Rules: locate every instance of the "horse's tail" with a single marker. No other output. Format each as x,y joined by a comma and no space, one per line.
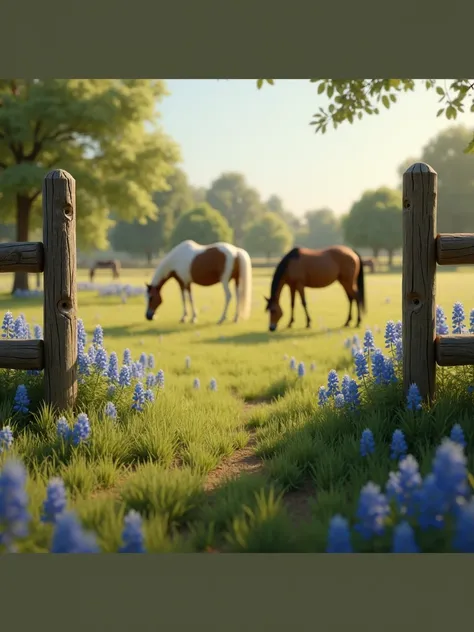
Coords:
361,284
245,283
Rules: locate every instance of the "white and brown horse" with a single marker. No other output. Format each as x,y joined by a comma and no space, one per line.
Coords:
190,262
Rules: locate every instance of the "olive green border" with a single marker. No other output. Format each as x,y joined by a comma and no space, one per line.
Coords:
213,38
240,39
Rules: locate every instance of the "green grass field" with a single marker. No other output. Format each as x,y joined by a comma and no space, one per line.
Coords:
251,467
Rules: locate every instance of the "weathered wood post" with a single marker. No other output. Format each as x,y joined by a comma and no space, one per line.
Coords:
420,183
60,289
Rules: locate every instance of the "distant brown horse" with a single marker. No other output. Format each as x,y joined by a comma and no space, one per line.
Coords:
369,263
111,264
301,268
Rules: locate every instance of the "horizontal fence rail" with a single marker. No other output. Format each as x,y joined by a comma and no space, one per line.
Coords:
423,249
56,354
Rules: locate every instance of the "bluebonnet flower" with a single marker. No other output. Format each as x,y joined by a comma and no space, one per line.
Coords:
160,379
213,385
55,502
150,380
21,400
345,385
38,332
471,321
138,397
442,328
356,341
398,330
457,435
19,328
322,396
98,336
339,401
389,374
301,369
369,344
348,343
403,486
399,350
378,366
70,537
81,430
390,334
127,357
458,318
149,395
292,364
112,371
125,377
151,361
431,504
111,390
367,443
414,398
333,383
132,535
63,430
339,536
8,325
143,359
14,515
404,539
360,365
187,362
372,511
81,333
353,397
450,469
196,383
463,540
101,360
110,410
137,370
83,362
6,438
91,354
398,447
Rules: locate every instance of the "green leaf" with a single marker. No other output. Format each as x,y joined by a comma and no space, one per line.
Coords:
330,90
321,87
451,112
469,150
259,83
386,101
270,81
439,112
440,91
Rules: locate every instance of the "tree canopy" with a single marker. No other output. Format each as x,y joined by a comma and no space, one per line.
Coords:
104,132
268,235
322,229
203,224
351,99
375,221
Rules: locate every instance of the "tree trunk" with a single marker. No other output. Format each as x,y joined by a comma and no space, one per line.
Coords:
23,208
376,252
390,258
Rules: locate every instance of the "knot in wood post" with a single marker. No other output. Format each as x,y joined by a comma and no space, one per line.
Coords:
420,183
60,289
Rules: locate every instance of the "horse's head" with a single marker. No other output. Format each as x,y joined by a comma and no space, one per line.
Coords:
274,309
154,300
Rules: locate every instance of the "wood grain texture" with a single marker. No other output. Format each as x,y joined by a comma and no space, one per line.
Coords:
455,350
60,289
21,354
455,249
26,256
419,272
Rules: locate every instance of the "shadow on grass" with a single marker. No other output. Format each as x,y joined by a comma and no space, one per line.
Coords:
133,329
263,337
272,392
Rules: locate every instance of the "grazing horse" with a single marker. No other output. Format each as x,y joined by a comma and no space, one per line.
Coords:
111,264
369,263
190,262
302,268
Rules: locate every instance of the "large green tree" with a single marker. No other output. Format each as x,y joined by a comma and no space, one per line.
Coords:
274,204
202,224
351,99
322,229
104,132
375,221
236,200
153,236
268,235
445,154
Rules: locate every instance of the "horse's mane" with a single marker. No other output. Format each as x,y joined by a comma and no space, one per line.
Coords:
281,269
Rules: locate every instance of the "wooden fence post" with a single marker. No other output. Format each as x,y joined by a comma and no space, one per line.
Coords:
420,183
60,289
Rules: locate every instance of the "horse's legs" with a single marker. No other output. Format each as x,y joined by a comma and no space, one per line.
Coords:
350,299
228,296
237,301
303,302
193,311
292,293
183,297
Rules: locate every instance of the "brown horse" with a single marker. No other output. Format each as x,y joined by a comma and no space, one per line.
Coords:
369,263
111,264
301,268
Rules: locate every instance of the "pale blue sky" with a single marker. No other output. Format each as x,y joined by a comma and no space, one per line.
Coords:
265,134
